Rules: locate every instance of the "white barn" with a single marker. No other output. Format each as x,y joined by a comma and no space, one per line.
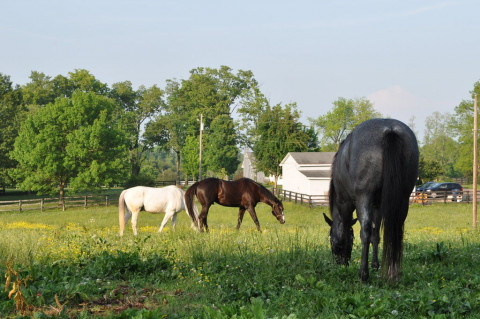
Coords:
307,172
250,171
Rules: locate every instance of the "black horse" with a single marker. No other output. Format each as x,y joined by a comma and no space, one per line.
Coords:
243,193
373,172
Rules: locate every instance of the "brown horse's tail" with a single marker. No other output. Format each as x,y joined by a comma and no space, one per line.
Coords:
190,207
121,212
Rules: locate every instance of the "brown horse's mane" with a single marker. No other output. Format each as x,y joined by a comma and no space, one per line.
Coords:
268,194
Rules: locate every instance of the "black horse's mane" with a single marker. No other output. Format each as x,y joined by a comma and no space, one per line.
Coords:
331,192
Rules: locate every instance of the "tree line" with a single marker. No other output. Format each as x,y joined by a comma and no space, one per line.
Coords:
78,131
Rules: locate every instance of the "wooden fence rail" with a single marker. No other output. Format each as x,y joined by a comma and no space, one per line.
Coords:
423,198
43,204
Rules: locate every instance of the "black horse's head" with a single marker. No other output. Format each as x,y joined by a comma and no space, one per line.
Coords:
341,239
277,211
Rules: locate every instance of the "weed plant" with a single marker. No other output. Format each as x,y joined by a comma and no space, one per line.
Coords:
78,267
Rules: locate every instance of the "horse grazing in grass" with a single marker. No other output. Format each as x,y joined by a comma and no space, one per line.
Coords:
168,199
373,172
243,193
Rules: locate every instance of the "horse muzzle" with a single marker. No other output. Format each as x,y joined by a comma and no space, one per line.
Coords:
342,260
281,219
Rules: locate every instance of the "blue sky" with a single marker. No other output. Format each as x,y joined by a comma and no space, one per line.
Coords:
407,57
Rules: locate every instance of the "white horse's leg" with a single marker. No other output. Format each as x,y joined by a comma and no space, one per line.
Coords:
174,220
127,218
167,216
134,222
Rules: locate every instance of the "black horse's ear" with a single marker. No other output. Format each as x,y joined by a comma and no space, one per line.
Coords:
328,220
353,222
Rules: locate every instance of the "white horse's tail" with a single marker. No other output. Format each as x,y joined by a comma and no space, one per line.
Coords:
121,212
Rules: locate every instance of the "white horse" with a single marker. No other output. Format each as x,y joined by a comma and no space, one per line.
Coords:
168,199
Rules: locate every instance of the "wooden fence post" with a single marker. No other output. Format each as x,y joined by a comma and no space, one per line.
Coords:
106,200
42,206
20,206
63,204
85,202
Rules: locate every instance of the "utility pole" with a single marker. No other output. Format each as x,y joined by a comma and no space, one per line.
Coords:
475,125
200,154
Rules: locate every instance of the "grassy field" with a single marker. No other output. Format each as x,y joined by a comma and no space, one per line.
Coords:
73,264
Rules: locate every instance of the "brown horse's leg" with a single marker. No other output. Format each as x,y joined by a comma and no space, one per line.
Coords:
202,218
241,212
252,212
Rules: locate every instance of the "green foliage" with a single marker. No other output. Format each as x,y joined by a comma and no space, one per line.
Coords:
138,106
74,140
212,93
428,170
221,151
439,146
462,125
279,132
190,155
345,115
11,114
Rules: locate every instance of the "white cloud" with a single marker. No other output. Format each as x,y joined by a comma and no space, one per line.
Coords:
397,102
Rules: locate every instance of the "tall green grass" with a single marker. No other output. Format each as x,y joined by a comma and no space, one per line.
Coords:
285,271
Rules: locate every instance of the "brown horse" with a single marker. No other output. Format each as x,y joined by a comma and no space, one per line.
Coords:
243,193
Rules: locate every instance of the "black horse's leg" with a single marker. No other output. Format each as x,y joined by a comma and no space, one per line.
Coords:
376,238
241,212
252,212
365,212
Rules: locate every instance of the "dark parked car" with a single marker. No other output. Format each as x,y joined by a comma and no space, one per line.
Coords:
440,190
424,187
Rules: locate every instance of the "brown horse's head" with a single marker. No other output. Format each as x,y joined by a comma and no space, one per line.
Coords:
277,211
341,239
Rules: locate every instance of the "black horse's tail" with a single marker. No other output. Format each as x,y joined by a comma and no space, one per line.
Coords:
394,202
191,191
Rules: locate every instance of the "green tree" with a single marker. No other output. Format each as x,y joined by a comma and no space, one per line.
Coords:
346,114
74,140
461,126
138,106
39,91
279,132
210,92
169,129
429,170
251,107
221,151
12,114
439,144
190,155
42,89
